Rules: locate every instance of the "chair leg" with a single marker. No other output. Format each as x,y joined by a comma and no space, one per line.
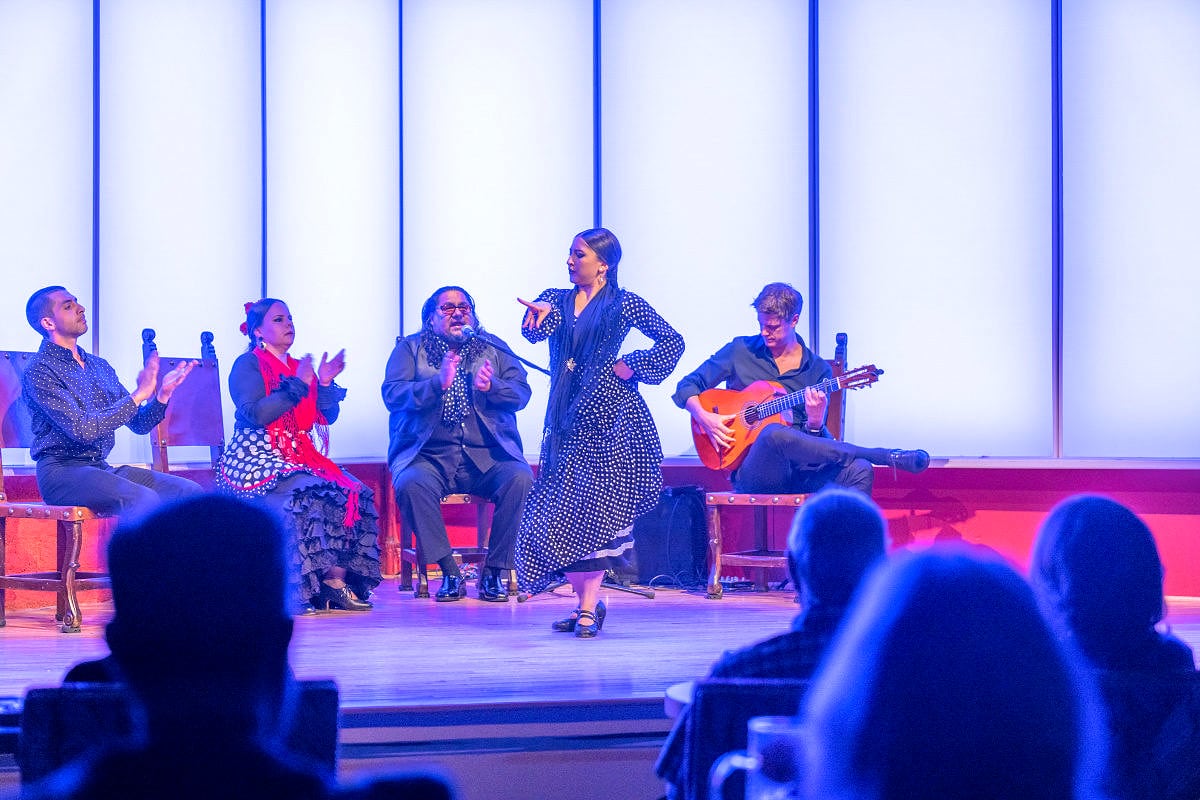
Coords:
62,546
760,545
422,568
714,553
72,532
3,571
404,537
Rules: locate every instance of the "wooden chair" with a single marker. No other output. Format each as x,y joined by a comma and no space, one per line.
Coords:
193,418
63,723
194,415
762,557
411,555
68,579
715,723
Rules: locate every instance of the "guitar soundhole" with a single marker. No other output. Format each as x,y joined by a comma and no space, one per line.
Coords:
750,415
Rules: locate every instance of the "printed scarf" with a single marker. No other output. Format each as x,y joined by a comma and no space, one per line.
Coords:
455,401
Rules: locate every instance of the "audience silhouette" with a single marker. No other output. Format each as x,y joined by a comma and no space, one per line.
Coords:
1097,575
1098,578
947,682
835,538
200,636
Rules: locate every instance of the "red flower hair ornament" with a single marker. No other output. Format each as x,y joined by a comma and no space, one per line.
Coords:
244,328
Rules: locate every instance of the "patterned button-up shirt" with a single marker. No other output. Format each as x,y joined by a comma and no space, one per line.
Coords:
75,410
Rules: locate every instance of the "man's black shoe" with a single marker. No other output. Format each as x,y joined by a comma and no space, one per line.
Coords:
453,588
909,460
492,588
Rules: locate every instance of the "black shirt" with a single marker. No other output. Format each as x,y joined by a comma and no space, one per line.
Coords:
745,360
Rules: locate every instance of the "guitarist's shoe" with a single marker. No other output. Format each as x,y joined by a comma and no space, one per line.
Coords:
909,460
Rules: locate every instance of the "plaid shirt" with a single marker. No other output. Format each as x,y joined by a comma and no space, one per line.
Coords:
795,654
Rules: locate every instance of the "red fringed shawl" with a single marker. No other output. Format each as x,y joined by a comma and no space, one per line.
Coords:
297,426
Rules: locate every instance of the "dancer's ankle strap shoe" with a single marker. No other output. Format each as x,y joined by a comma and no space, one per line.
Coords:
909,460
590,623
342,598
566,624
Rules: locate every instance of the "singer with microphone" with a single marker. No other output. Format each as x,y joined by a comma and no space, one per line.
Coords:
453,392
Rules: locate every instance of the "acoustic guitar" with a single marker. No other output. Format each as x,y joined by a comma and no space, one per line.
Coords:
758,405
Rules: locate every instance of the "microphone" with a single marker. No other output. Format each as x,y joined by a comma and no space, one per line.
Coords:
469,333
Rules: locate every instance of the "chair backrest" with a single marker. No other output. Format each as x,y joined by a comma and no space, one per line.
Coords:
63,723
16,430
717,721
835,419
15,423
194,416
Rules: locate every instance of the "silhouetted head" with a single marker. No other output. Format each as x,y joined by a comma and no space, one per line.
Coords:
946,682
1097,574
835,538
199,592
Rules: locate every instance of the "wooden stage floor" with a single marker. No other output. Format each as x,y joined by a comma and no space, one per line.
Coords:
409,651
425,682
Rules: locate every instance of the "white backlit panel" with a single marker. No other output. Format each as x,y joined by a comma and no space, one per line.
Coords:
333,187
45,157
179,170
1131,123
705,166
497,159
936,202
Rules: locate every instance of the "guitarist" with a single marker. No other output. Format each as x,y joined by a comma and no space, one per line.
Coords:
801,456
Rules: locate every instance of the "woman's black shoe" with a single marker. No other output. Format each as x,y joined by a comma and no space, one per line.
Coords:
359,587
590,623
309,610
342,598
566,624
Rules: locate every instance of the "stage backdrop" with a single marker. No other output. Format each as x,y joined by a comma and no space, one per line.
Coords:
169,160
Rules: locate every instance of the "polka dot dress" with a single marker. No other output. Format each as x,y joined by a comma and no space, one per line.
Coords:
604,473
252,464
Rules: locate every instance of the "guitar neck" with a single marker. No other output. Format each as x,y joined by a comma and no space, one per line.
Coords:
783,402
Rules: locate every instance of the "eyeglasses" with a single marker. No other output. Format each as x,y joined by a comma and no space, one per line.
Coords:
449,308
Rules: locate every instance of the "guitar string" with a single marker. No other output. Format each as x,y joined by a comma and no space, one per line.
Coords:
782,403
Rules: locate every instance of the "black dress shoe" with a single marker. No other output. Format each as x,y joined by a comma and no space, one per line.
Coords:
909,460
492,589
453,588
342,598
